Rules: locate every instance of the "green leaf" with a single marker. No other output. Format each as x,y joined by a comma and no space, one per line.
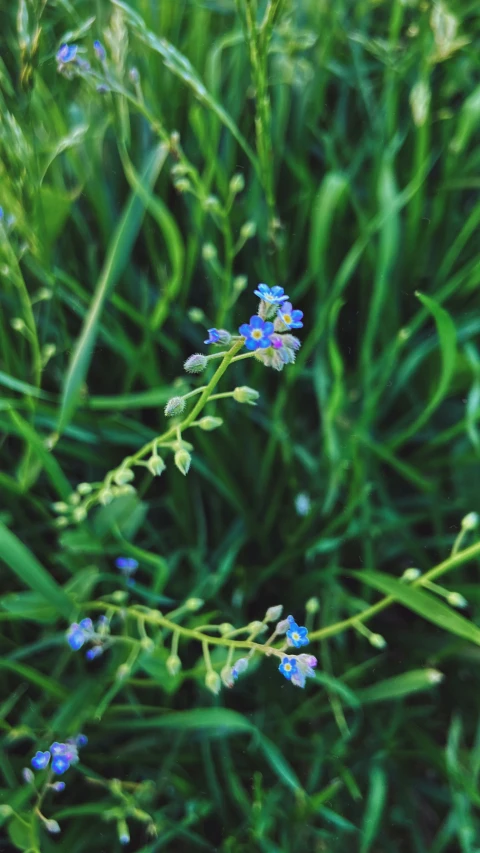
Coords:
28,472
46,684
279,764
448,349
375,804
400,685
118,255
31,572
222,721
423,603
20,832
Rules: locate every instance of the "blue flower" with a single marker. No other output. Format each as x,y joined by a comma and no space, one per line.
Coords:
93,653
81,740
218,336
273,295
288,667
99,50
292,318
257,334
60,764
40,760
296,636
127,565
67,53
79,633
240,666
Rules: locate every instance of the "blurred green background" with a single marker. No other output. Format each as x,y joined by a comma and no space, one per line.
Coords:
355,126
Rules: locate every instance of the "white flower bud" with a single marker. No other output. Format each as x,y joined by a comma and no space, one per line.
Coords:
239,283
123,672
105,497
283,626
226,676
123,476
17,324
248,230
213,682
196,363
434,676
420,97
156,465
194,604
28,775
173,664
210,423
237,184
377,641
6,811
225,628
84,488
79,513
410,575
175,406
313,605
209,252
183,460
274,613
183,186
212,204
52,826
244,394
470,521
61,521
255,627
456,600
60,506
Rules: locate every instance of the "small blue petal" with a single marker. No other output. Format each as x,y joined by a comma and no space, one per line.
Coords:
67,52
99,50
94,653
40,760
81,740
126,564
60,764
86,625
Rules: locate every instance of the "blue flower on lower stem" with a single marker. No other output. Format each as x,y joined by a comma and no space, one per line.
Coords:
292,318
67,53
79,633
40,760
296,636
60,764
100,51
273,295
257,334
288,667
126,564
94,652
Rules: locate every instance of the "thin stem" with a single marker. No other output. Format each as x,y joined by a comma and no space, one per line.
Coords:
451,563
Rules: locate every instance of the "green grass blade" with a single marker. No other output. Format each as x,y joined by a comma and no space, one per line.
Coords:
117,258
399,686
377,795
22,562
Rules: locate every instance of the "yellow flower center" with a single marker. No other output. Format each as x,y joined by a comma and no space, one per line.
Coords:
287,318
295,636
288,667
257,334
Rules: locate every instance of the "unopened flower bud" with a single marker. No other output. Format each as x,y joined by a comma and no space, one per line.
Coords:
456,600
123,476
226,676
244,394
240,666
212,204
123,672
470,521
209,252
105,497
58,786
52,826
213,681
84,488
17,324
274,613
377,641
255,627
173,664
239,283
313,605
134,76
248,230
410,575
60,506
183,460
225,628
156,465
123,832
74,499
99,49
196,363
175,406
196,315
434,676
237,183
194,604
6,811
79,513
210,423
283,626
147,645
61,521
28,775
183,185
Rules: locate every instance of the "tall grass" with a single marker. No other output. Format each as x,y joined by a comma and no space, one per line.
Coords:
355,126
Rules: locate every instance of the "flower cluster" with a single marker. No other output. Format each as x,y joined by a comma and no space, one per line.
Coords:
267,335
127,566
83,632
63,755
297,668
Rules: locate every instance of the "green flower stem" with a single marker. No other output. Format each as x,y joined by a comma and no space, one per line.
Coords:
206,391
206,655
451,563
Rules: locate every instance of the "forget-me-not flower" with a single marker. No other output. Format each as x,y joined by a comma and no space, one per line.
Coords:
79,633
297,636
273,295
290,317
67,53
218,336
288,667
257,333
40,760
